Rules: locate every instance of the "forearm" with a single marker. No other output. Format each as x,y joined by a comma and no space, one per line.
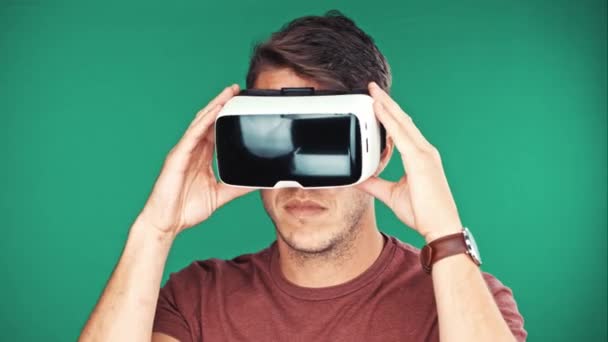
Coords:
125,311
465,306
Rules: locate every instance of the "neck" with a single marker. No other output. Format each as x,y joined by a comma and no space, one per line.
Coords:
348,259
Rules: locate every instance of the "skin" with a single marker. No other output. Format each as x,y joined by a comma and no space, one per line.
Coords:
422,200
341,244
331,248
328,250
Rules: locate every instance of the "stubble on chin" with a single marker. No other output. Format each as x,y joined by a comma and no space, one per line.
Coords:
336,248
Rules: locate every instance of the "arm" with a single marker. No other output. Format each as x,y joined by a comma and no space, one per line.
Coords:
466,309
185,194
158,337
423,201
125,311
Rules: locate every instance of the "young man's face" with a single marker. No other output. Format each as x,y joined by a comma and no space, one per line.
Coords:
311,230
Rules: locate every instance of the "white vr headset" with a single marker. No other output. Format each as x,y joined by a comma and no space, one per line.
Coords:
298,137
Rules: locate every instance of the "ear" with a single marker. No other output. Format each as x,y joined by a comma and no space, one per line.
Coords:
385,156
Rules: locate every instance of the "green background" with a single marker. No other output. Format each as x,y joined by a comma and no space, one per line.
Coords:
93,96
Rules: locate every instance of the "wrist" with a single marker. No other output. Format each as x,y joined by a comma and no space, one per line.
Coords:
148,231
434,235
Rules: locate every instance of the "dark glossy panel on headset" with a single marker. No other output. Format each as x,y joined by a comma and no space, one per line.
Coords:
313,150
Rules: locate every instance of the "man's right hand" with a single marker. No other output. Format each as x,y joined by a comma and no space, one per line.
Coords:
186,192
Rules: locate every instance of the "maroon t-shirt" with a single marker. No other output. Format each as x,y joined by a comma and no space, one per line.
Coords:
248,299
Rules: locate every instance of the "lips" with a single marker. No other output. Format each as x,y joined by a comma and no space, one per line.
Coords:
304,208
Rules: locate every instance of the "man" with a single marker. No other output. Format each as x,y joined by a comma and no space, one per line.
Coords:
331,275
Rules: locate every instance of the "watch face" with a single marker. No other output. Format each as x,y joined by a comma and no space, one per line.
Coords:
471,245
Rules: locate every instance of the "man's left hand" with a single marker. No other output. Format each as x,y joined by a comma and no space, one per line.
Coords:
421,198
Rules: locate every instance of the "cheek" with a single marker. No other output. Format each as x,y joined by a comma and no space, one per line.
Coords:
268,200
353,201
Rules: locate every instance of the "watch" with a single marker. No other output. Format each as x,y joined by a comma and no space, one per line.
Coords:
462,242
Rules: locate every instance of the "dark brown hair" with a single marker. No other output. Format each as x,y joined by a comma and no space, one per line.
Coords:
329,49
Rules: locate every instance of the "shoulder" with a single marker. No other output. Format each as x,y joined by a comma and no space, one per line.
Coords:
408,250
407,255
405,268
408,258
503,295
208,270
180,299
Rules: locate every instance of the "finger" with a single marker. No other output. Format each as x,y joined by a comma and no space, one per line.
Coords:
226,193
384,97
199,130
201,116
400,115
202,154
379,188
221,99
394,129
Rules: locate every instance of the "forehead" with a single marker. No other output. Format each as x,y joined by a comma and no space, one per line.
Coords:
284,77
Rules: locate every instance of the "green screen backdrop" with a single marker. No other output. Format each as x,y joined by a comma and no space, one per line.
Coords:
93,95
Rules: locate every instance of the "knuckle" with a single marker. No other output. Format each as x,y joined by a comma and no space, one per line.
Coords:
429,152
169,158
171,155
433,152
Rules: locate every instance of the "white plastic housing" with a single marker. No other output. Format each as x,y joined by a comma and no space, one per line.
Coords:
360,105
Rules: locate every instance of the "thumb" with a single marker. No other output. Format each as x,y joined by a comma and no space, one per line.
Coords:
226,193
378,187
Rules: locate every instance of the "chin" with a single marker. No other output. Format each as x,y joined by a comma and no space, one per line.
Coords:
308,239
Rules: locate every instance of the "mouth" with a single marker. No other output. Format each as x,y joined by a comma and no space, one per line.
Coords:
304,209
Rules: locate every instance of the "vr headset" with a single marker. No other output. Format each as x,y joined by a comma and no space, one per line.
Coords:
298,137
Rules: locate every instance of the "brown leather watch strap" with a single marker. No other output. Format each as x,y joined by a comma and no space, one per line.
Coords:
441,248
